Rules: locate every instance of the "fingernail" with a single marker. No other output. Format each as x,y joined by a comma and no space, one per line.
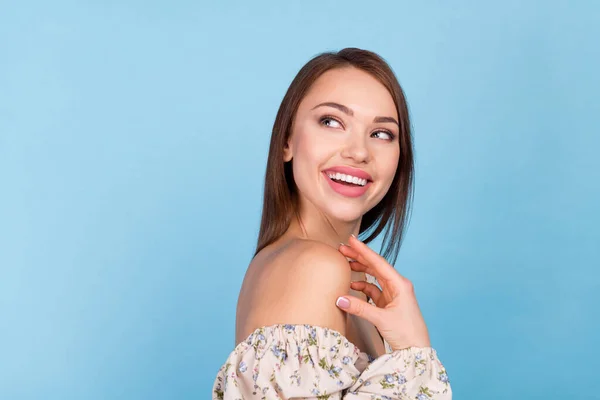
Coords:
354,236
342,302
341,244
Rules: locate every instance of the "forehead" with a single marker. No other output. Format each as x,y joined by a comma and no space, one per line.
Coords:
353,88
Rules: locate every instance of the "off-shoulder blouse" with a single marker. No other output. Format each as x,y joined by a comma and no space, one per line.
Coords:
302,361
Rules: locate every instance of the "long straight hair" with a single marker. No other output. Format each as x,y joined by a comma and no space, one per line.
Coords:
280,193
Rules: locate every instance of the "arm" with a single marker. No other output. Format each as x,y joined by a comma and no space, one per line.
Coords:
298,349
307,356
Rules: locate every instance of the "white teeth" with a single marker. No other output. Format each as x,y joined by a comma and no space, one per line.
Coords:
347,178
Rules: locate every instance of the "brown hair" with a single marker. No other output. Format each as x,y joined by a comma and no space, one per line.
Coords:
280,198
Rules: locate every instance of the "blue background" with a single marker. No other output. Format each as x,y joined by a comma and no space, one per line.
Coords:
133,141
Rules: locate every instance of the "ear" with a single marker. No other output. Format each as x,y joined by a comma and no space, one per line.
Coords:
287,152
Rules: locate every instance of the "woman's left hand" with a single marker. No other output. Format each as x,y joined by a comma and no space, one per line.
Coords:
396,313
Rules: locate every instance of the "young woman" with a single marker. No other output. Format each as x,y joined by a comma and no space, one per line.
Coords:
312,323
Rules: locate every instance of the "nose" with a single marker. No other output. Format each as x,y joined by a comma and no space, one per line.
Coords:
355,148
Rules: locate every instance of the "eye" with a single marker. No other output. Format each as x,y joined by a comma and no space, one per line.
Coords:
330,119
386,135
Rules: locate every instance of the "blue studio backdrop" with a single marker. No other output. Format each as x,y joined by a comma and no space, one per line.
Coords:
133,143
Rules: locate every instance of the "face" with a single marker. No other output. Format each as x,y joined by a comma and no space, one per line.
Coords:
345,153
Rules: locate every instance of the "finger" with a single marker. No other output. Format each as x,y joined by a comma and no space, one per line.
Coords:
352,253
381,284
361,250
382,269
367,288
359,267
353,256
349,252
362,265
360,308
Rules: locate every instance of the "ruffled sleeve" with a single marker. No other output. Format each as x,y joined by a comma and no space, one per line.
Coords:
312,362
413,373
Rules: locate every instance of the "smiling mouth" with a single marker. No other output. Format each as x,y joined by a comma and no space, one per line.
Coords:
347,180
347,185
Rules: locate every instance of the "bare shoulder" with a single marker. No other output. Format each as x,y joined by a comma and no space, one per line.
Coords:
315,263
297,284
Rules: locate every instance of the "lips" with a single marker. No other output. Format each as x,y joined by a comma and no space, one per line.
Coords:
347,190
359,173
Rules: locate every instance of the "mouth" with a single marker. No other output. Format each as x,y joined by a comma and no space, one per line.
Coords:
345,175
350,183
347,179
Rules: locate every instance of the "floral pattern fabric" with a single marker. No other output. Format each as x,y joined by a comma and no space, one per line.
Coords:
312,362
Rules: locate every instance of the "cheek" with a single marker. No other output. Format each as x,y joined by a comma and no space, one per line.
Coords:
387,165
310,150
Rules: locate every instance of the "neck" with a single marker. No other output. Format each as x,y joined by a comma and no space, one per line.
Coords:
315,225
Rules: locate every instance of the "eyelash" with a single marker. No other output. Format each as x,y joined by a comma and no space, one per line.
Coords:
325,117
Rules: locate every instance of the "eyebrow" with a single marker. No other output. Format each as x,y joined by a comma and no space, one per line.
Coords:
349,112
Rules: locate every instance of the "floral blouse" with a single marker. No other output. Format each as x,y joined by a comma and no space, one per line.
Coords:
303,361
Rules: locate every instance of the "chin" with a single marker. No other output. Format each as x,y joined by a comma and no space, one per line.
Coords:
344,212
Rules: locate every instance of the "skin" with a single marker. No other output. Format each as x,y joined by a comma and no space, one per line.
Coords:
356,142
327,217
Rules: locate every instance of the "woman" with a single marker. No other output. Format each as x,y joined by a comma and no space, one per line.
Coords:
340,165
